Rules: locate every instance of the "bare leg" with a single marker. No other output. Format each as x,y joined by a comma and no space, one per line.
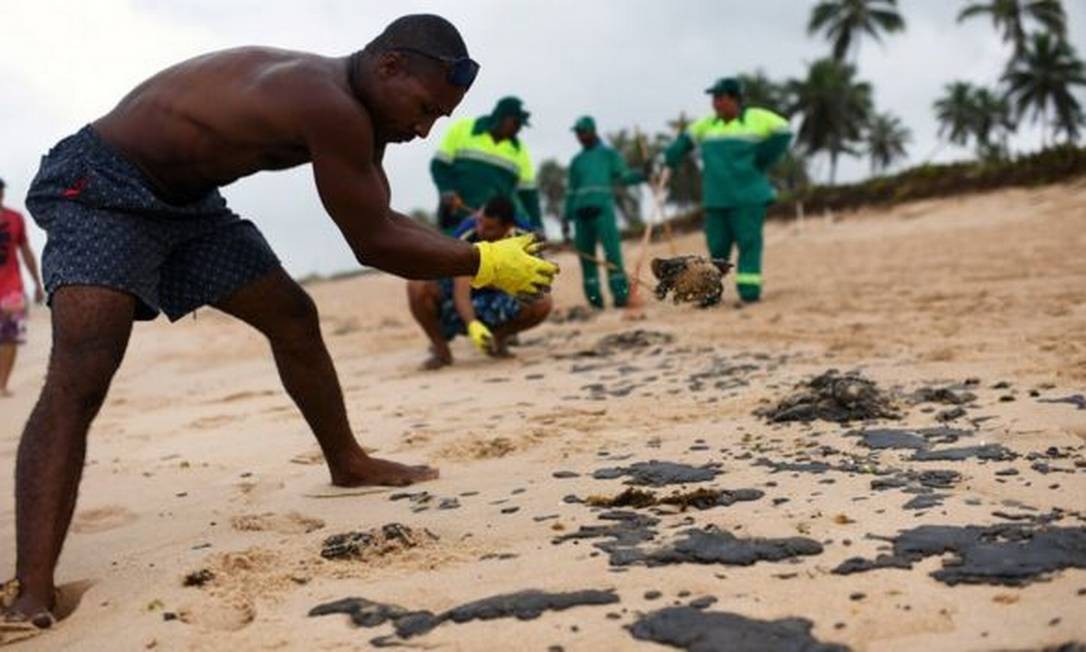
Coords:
530,316
424,298
7,362
91,327
280,309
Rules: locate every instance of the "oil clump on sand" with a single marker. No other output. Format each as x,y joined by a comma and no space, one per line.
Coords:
377,542
691,629
836,397
690,279
522,605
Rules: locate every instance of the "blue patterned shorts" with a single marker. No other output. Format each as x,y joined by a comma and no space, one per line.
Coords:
107,227
492,307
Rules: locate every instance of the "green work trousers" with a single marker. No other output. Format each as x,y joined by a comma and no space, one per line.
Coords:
740,225
600,228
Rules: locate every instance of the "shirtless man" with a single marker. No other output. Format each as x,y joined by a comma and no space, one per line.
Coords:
136,225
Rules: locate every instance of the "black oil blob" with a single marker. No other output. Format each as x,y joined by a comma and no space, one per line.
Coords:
710,631
658,474
523,605
833,397
1010,555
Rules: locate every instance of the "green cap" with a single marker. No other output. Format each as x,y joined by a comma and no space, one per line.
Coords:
585,123
510,106
726,86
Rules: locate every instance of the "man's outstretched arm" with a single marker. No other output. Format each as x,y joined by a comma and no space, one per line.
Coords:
355,192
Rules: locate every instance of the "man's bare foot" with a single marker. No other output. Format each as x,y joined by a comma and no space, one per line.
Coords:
371,471
439,357
21,607
435,362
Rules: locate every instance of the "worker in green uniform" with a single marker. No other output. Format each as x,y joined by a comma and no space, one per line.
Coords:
482,158
738,144
590,205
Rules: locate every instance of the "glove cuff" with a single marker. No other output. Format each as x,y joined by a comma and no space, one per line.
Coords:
487,267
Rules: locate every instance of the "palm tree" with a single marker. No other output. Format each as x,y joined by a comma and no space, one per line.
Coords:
761,91
1042,78
843,21
834,107
551,181
886,139
956,112
1069,121
790,173
1010,16
993,122
968,113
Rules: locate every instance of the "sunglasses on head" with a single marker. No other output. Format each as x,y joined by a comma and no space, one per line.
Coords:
461,71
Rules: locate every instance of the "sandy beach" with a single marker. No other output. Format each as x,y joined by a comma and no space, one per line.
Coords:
968,315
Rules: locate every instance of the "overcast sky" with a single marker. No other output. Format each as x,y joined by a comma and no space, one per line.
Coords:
628,62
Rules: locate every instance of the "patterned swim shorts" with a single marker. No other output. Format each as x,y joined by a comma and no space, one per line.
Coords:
492,307
107,227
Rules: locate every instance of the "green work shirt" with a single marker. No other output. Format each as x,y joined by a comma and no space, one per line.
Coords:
593,175
470,163
735,156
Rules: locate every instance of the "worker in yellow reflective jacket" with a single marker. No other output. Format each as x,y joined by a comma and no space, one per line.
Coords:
482,158
738,144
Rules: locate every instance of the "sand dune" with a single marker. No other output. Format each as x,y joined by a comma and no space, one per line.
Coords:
200,467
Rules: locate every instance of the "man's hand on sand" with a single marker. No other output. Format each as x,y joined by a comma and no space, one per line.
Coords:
511,266
363,471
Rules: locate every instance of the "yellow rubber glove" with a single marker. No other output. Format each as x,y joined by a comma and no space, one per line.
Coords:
480,336
510,266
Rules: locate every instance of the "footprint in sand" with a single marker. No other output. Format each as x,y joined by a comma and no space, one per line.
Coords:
241,396
227,601
252,490
207,423
478,447
102,519
311,457
228,615
289,523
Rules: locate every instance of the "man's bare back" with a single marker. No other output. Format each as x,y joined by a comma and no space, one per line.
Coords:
211,120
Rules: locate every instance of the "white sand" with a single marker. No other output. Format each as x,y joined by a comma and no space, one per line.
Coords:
199,460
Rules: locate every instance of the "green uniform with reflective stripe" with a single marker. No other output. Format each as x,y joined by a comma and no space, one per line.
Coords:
735,157
471,164
590,203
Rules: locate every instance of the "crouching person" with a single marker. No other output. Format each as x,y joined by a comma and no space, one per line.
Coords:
449,307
